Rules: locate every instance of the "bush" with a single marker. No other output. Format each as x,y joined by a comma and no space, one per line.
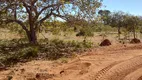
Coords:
56,48
48,49
87,44
85,32
29,52
98,29
11,58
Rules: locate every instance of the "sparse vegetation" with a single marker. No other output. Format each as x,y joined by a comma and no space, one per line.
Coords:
88,32
12,52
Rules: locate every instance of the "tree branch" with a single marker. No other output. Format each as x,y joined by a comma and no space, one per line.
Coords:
43,19
33,2
18,22
49,6
26,6
57,15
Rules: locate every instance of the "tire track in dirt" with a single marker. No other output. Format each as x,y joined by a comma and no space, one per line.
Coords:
136,75
120,70
104,70
140,78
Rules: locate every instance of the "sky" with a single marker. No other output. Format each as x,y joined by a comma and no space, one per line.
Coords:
130,6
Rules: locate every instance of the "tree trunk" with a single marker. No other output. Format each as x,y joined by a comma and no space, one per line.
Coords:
134,32
119,32
32,36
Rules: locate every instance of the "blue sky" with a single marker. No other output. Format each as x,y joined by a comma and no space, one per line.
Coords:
130,6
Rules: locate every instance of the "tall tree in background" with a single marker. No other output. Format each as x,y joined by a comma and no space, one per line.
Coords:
30,14
131,23
117,20
105,16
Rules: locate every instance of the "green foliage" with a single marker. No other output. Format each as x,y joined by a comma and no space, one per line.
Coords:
56,48
87,44
18,11
11,45
104,28
98,29
29,52
88,32
12,52
105,16
11,58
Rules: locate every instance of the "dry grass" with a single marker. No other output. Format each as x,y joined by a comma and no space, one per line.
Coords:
7,35
96,39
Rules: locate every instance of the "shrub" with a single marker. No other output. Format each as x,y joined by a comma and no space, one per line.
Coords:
56,48
29,52
98,29
87,44
16,56
85,32
48,49
10,60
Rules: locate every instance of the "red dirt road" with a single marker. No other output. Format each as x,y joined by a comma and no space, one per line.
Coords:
116,62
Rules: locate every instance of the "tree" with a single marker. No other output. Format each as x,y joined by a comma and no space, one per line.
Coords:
105,16
131,23
30,14
117,20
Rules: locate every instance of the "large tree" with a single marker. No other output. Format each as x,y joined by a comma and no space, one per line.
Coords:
30,14
105,16
131,23
117,20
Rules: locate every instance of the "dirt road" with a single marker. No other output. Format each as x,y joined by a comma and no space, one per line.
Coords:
117,62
